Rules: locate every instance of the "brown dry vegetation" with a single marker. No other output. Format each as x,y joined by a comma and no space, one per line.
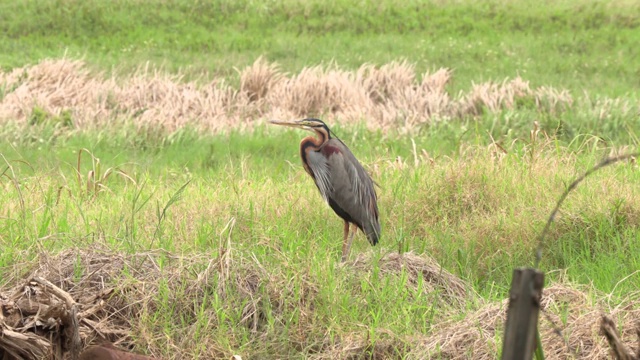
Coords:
117,293
565,307
390,96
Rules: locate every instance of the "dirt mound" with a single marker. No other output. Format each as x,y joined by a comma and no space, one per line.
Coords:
569,328
82,297
73,299
422,271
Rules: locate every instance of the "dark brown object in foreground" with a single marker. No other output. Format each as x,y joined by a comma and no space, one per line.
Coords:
109,352
40,320
618,348
522,314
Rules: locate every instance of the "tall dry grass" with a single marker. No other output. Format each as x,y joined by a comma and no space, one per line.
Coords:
389,96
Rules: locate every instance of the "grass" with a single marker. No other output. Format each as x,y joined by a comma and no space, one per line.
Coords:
242,256
474,209
575,45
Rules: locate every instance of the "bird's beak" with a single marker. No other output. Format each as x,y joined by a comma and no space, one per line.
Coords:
295,124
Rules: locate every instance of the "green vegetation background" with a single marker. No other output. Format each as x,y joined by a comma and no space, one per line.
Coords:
578,45
477,220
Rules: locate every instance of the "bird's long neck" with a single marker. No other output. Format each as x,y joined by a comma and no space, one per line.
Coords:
313,143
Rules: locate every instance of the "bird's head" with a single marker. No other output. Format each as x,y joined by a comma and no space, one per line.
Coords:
314,125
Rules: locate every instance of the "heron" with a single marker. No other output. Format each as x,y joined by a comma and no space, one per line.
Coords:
343,182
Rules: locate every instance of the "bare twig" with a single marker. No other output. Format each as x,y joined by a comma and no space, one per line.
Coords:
606,162
618,348
61,294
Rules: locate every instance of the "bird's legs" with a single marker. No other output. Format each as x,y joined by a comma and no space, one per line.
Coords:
346,244
344,241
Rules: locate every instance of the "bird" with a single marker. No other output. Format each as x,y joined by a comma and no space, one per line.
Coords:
342,181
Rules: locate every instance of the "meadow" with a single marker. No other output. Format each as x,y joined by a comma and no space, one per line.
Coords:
135,137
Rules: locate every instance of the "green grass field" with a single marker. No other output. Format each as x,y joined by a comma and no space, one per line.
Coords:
470,192
580,45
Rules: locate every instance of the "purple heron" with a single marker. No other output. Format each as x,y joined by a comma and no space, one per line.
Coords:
341,179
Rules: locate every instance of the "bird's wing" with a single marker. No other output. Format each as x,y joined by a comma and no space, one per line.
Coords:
320,168
353,189
362,184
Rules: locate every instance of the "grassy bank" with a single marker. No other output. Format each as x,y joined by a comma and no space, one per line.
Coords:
471,207
475,209
567,44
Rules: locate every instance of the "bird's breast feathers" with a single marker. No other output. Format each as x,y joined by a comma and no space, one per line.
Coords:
328,150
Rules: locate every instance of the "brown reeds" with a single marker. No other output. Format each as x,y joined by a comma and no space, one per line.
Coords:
389,96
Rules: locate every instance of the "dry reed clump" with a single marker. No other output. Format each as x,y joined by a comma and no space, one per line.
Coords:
435,279
389,96
506,95
316,91
258,79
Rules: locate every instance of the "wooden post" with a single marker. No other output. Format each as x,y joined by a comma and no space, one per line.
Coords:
519,340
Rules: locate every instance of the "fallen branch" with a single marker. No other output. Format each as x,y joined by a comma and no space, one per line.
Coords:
70,318
23,345
61,294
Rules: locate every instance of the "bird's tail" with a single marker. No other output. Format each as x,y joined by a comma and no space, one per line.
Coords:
373,232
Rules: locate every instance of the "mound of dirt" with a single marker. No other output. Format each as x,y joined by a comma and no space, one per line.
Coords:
74,299
436,279
569,328
83,297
